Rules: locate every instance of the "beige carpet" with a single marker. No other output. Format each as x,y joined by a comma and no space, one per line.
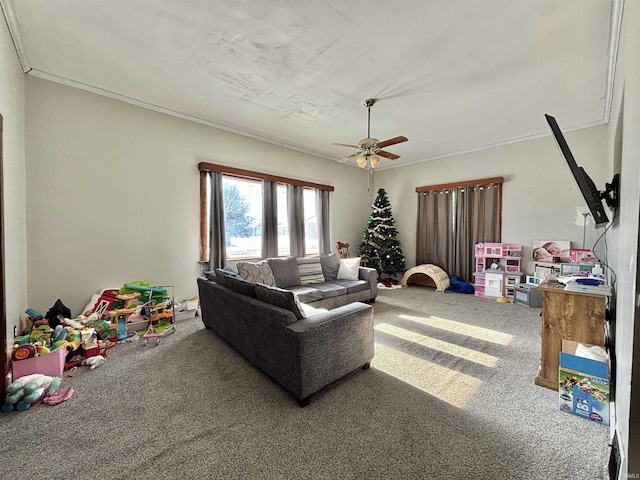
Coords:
450,395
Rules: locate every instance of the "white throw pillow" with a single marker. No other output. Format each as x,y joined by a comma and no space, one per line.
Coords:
349,269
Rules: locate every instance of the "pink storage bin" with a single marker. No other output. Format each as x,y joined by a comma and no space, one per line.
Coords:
51,364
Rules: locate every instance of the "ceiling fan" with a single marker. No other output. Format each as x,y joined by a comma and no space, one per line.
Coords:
370,149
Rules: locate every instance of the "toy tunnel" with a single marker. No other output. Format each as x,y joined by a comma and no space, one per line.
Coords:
429,275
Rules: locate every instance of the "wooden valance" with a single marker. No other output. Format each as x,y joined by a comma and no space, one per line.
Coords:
470,183
239,172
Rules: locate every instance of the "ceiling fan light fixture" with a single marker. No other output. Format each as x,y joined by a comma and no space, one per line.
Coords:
370,149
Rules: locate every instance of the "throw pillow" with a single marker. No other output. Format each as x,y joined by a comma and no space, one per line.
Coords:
285,271
310,270
256,272
349,269
330,265
280,298
238,284
211,275
221,275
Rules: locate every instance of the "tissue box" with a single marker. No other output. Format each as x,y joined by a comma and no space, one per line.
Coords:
584,385
51,364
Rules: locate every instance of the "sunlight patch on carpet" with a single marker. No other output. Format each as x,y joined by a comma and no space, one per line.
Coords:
435,344
451,386
480,333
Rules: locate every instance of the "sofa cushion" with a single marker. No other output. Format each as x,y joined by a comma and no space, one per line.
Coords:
349,269
310,270
331,289
280,298
221,274
307,294
310,311
256,272
240,285
330,265
352,286
285,271
211,275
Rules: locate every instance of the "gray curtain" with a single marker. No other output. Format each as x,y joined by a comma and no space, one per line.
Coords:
269,219
322,216
435,232
488,213
451,222
478,220
295,204
464,240
217,240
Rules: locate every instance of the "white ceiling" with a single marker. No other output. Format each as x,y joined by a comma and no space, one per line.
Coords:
451,75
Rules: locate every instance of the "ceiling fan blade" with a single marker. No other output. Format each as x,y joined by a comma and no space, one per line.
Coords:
347,158
345,145
392,141
390,156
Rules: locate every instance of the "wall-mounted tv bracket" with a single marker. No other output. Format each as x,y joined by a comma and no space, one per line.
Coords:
610,194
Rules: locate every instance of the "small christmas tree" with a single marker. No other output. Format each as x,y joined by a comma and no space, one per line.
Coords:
380,249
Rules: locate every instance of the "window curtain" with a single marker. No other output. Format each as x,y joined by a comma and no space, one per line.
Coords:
477,221
322,218
452,221
217,239
435,220
295,203
269,219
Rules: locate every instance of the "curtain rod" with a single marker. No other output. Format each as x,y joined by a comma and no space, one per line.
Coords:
469,183
239,172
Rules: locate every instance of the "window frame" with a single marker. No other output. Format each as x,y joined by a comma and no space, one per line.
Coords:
205,168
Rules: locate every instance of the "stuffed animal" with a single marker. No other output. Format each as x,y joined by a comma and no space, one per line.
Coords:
23,392
94,362
41,335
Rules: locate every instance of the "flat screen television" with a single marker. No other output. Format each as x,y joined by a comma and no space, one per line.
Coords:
592,196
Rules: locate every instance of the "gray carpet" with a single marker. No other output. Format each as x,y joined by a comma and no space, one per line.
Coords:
449,395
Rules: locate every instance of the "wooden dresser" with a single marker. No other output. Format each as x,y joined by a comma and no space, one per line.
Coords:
572,316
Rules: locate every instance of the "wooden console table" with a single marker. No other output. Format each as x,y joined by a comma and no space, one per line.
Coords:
570,315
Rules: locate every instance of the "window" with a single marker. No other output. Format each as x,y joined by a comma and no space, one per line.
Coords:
245,214
310,222
242,217
283,221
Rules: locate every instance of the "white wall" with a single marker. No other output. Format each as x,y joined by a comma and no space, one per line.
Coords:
12,94
540,198
625,146
114,193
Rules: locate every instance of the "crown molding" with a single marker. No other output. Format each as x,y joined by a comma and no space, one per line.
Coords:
14,30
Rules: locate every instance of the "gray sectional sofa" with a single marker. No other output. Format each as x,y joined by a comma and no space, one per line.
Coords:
305,335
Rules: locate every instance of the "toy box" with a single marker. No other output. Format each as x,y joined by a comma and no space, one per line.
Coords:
187,314
584,384
51,364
